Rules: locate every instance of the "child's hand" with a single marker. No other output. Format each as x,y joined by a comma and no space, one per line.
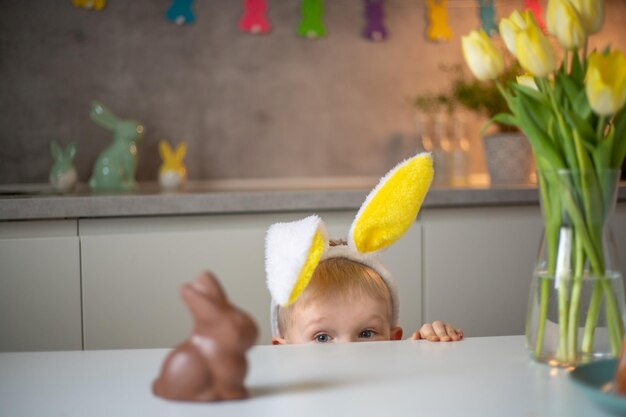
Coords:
438,332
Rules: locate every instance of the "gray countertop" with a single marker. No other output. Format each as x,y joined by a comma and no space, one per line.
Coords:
239,196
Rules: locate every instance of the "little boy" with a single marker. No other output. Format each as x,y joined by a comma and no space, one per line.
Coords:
327,291
348,301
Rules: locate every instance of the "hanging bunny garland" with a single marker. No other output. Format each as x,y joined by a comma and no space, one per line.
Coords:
293,250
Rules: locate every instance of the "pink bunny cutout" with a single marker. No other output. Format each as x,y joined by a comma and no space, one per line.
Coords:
254,19
211,365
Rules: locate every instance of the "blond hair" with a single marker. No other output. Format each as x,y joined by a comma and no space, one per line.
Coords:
348,279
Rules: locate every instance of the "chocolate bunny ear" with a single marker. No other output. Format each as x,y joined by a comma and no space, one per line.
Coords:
392,206
292,252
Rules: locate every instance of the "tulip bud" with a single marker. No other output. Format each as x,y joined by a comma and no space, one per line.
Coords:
605,82
591,13
527,81
566,24
533,50
510,27
483,58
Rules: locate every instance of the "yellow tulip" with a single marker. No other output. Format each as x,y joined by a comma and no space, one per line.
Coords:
533,49
511,27
605,82
527,81
483,58
591,13
566,24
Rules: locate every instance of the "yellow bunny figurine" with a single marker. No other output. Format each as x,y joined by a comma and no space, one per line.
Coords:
172,173
90,4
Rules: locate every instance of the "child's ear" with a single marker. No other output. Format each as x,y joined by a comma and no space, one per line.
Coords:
278,341
396,333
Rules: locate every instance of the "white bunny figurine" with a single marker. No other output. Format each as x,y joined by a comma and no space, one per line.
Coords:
63,174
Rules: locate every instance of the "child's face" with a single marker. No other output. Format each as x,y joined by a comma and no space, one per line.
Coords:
336,320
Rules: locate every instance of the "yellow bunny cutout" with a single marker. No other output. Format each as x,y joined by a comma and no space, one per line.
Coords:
439,29
90,4
293,250
172,173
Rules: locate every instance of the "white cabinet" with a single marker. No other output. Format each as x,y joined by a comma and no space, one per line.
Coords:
477,267
132,270
40,305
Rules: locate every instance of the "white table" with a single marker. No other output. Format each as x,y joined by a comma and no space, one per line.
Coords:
476,377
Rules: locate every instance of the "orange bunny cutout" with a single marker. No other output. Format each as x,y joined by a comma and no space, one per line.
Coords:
211,365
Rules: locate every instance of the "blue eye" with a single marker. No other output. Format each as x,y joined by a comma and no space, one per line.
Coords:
322,338
366,334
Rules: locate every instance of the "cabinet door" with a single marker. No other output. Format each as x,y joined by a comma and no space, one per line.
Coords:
133,269
40,307
478,264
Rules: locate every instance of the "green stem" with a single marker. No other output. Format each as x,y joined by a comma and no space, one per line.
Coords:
579,264
543,314
592,317
562,349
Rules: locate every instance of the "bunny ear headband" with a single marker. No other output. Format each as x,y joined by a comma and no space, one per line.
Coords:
293,250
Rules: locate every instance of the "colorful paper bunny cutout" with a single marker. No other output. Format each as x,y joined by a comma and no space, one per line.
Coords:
115,167
487,14
293,250
438,30
254,19
172,173
96,5
311,25
180,12
375,29
211,364
63,175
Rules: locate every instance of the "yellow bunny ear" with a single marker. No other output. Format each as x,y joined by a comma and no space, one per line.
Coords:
181,150
165,150
392,206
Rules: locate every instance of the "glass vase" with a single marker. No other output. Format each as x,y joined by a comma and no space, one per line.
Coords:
576,308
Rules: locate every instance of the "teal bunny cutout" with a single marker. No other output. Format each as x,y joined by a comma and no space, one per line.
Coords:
63,174
115,167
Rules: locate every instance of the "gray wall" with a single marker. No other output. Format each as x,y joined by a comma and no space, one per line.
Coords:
271,106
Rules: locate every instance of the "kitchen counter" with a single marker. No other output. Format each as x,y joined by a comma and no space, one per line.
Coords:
239,196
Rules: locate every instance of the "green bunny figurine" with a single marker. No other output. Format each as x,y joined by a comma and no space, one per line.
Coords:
114,169
63,174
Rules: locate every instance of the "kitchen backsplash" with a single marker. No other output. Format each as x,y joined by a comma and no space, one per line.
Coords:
248,106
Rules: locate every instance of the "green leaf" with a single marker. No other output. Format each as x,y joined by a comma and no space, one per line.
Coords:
576,69
581,105
501,119
540,141
619,146
570,87
602,153
577,123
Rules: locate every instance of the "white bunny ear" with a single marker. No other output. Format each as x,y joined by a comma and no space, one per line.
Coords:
292,252
392,206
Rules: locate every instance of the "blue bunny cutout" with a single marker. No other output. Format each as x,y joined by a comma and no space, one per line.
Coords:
180,12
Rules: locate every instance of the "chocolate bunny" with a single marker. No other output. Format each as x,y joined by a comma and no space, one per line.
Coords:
211,365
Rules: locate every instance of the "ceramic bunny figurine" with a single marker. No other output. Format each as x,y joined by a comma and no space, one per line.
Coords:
211,365
114,169
63,174
172,173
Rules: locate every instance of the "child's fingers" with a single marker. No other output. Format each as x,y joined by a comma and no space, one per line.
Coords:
455,334
428,332
440,331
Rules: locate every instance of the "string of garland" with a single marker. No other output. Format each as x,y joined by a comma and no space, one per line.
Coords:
255,20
